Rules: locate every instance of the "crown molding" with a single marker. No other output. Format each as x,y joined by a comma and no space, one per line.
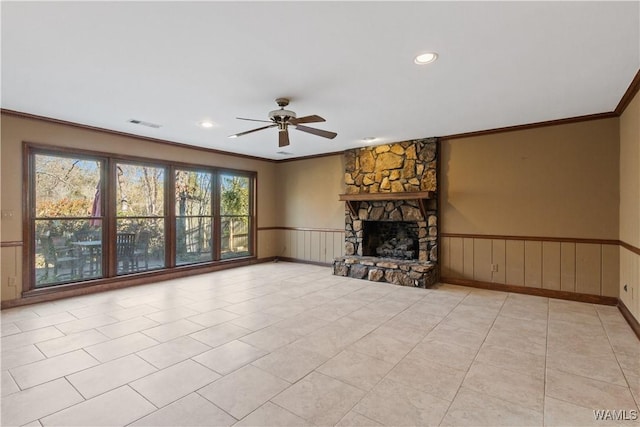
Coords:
29,116
630,93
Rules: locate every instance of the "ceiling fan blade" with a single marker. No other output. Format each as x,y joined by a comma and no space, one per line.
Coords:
250,131
283,138
319,132
253,120
307,119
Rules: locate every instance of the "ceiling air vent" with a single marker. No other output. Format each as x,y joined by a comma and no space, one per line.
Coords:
143,123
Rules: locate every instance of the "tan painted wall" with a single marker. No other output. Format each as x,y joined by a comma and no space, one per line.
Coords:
16,130
308,195
555,181
308,191
630,205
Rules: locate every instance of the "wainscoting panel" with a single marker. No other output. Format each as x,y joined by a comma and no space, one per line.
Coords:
467,258
551,265
499,258
291,249
482,260
302,250
268,243
514,264
338,245
610,270
11,268
568,266
588,268
456,265
533,264
630,276
556,264
313,245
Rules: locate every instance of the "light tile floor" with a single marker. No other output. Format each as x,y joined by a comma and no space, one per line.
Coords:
290,344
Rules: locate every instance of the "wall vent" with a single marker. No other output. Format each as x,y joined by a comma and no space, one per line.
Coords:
143,123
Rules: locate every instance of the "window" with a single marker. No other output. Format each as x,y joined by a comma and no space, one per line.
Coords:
194,219
140,237
234,216
94,217
67,225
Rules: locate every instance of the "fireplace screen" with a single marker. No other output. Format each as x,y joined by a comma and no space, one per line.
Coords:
390,239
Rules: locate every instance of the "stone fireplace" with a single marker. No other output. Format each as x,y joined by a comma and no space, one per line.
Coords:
391,220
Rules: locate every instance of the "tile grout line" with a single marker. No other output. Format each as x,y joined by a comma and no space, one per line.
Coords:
62,409
365,391
589,378
397,363
615,354
474,358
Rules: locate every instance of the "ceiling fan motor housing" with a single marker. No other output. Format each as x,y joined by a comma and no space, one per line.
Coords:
281,115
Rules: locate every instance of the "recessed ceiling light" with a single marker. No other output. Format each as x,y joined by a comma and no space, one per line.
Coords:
368,139
425,58
206,124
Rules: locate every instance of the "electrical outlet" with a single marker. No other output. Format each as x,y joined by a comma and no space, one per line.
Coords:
494,268
8,214
12,281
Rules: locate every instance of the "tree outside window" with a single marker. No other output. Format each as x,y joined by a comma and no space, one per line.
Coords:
234,216
71,195
194,218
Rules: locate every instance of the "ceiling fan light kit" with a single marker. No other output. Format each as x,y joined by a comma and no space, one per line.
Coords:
283,119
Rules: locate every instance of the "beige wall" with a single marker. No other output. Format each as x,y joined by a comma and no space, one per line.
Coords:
554,181
308,191
16,130
630,205
314,217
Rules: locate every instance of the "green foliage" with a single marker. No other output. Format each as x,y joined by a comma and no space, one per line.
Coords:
234,198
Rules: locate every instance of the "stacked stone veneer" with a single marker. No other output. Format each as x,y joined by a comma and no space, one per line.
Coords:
402,167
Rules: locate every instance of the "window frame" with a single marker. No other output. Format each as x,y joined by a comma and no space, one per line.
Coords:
114,218
109,220
29,227
252,217
214,213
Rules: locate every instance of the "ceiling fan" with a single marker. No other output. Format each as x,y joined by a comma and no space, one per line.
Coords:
283,119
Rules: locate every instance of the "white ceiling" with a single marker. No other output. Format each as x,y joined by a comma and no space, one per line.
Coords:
178,63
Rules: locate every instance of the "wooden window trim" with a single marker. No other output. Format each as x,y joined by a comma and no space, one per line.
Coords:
110,160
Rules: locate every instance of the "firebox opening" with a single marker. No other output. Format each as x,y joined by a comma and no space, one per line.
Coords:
390,239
